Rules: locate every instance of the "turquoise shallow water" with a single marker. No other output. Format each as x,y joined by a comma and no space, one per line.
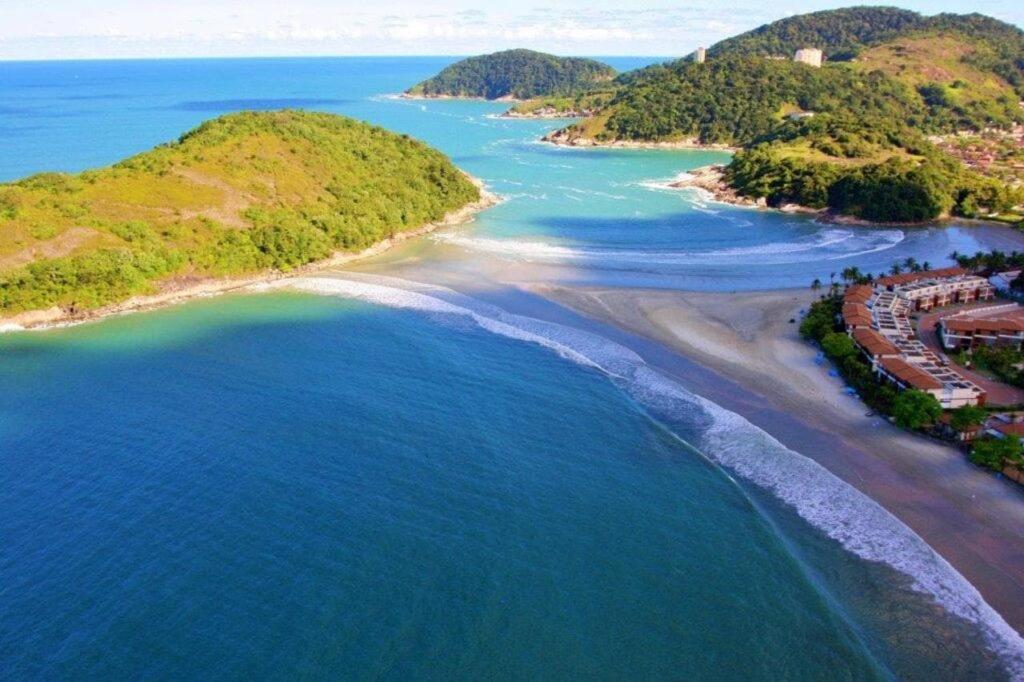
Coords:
286,484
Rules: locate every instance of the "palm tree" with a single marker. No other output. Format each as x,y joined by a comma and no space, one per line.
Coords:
816,284
926,265
895,269
831,276
851,274
910,263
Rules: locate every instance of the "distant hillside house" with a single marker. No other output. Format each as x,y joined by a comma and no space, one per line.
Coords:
701,55
810,56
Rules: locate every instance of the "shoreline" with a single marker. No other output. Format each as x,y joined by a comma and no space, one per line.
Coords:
711,180
971,519
468,98
56,317
546,116
559,138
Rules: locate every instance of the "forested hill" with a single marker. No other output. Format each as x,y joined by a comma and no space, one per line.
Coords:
844,34
242,193
516,74
899,113
838,33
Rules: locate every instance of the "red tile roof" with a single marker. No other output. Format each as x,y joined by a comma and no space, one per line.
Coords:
908,277
910,375
874,343
856,315
858,293
1008,325
1011,429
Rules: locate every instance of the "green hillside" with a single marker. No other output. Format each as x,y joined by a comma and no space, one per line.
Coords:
839,33
870,118
239,194
516,74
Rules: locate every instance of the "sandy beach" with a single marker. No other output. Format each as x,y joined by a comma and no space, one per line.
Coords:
972,519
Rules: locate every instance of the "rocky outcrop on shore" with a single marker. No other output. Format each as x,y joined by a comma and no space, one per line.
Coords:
549,112
570,138
711,179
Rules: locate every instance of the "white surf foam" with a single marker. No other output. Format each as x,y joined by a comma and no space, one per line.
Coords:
848,516
825,244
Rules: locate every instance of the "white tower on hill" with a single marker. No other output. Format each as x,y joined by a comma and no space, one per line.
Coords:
808,55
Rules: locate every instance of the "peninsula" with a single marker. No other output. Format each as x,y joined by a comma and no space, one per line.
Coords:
514,75
242,195
880,131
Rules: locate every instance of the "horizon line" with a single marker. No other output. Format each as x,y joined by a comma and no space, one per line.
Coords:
15,60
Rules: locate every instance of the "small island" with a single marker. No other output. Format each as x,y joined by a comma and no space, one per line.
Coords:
244,195
878,114
514,75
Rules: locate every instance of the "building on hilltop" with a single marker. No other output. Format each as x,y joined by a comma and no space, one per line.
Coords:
700,56
810,56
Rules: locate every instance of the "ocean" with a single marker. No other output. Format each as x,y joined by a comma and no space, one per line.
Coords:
380,478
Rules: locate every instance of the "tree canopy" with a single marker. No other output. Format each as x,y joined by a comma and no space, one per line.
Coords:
241,193
913,409
853,137
520,74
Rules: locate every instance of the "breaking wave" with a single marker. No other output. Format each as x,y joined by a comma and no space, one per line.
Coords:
857,522
826,244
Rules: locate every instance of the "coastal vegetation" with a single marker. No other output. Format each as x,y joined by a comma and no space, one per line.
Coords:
240,194
857,136
515,74
998,454
821,325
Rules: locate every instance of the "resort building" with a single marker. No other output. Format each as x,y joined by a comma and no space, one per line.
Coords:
810,56
856,316
1000,325
875,346
877,318
937,288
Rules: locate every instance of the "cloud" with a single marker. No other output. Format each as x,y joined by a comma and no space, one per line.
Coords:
254,27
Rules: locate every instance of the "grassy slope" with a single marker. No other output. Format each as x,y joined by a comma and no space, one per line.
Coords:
239,194
940,58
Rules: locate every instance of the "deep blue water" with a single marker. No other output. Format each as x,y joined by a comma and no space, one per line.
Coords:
323,487
286,485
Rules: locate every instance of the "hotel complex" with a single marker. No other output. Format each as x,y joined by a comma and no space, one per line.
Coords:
999,325
876,317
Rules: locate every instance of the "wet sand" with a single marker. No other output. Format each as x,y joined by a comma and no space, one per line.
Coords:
972,519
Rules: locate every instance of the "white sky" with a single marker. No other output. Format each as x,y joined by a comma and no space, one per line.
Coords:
67,29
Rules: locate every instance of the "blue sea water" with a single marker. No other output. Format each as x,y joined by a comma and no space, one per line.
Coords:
388,482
